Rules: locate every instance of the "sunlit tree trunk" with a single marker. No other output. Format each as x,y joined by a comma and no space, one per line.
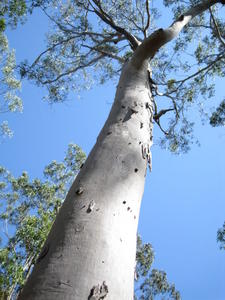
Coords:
90,251
93,241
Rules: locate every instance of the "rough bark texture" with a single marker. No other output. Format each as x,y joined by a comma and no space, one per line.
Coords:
90,252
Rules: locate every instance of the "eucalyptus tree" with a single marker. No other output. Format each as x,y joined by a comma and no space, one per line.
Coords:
151,283
218,116
9,84
11,12
90,251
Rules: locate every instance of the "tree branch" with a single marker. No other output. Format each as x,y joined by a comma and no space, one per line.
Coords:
207,68
148,18
108,20
162,112
160,37
73,70
217,28
102,51
51,48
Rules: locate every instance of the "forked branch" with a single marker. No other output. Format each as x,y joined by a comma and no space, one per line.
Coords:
160,37
108,20
216,28
148,18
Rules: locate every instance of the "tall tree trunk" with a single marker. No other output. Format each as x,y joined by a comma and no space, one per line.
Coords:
90,251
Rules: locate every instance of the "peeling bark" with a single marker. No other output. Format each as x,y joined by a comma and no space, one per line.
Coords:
99,292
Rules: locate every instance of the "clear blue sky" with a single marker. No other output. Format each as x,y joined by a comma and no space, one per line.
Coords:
184,200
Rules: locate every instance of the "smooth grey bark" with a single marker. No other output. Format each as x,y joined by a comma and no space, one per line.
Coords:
94,237
90,251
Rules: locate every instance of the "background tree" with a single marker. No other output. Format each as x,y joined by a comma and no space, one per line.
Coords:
218,119
9,84
11,12
218,116
151,283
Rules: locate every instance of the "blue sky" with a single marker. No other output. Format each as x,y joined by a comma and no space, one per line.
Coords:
184,199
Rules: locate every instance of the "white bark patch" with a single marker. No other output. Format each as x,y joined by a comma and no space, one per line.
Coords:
99,292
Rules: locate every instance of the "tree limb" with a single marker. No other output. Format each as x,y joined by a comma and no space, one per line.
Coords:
207,68
217,28
95,48
160,37
73,70
108,20
162,112
51,48
148,18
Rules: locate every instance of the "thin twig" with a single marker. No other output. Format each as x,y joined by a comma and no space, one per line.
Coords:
108,20
148,18
216,27
73,70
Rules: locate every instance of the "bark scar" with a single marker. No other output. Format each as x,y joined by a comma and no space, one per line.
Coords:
91,206
64,283
80,190
79,228
98,292
146,154
129,113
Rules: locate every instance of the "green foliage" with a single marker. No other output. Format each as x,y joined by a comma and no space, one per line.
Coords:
221,237
9,84
218,116
186,73
2,25
81,47
13,11
28,210
156,285
89,41
144,258
179,138
5,131
151,283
